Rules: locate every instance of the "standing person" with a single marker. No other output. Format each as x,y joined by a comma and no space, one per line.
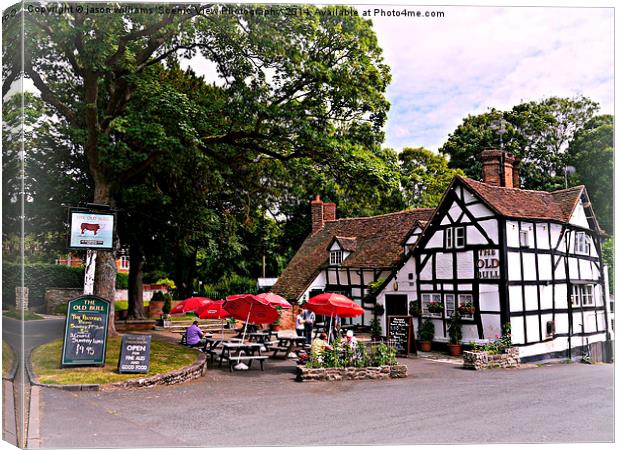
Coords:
193,335
308,318
299,323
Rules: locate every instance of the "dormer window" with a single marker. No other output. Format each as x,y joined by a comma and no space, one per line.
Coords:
335,257
582,243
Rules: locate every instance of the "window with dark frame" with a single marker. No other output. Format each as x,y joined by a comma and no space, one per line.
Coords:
335,257
455,237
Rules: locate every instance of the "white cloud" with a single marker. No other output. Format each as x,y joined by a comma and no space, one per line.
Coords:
479,57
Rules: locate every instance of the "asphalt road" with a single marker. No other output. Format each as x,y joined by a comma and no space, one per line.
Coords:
439,403
17,392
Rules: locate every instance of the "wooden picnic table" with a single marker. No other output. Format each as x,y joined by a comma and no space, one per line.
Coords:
261,337
231,351
286,344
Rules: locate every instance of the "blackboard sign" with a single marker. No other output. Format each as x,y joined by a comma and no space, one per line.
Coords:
86,332
400,334
135,354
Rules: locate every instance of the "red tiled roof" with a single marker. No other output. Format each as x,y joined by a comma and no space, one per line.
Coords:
378,244
348,244
521,203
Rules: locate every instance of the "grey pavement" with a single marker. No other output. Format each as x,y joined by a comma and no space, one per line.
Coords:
23,337
438,403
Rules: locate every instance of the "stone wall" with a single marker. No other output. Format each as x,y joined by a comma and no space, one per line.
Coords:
482,360
196,370
58,296
351,373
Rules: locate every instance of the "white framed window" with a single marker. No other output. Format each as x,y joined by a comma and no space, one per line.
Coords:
574,296
455,237
335,257
466,300
450,304
124,262
582,243
524,238
427,299
582,295
587,299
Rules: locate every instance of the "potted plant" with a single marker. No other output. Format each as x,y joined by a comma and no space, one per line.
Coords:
165,317
414,309
375,324
426,333
467,309
435,307
455,331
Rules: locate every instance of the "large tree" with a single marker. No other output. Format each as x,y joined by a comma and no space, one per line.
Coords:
538,131
300,86
425,176
592,154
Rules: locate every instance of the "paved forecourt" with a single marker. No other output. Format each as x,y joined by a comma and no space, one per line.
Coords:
438,403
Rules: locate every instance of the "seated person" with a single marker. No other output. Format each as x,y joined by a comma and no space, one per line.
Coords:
350,340
193,335
319,344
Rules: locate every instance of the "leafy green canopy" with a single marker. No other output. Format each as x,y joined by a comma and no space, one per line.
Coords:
539,132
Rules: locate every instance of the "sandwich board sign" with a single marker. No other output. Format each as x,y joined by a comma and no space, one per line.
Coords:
135,354
86,332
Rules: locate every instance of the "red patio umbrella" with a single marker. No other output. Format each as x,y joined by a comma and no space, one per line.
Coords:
251,308
190,304
275,300
330,304
212,309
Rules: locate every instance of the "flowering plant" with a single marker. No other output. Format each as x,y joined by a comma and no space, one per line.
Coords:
435,307
467,308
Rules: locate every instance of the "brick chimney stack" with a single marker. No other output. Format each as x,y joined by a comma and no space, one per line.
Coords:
500,168
316,210
329,211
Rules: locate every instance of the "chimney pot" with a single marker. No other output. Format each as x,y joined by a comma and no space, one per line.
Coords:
316,211
329,211
499,168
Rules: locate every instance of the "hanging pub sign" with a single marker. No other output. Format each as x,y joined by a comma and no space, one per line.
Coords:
400,334
488,264
86,332
90,229
135,354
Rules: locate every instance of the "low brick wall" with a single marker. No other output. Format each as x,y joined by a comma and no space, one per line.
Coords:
351,373
482,360
196,370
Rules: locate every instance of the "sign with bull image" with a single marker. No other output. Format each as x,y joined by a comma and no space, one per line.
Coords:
91,230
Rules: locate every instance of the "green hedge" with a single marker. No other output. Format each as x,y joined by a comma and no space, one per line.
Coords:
37,278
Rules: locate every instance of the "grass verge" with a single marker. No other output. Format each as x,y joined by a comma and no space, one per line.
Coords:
7,358
28,315
165,357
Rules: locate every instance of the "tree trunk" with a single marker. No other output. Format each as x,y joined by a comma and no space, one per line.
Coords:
185,269
136,300
105,266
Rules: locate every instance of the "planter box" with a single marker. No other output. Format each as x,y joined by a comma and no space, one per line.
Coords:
482,360
351,373
135,325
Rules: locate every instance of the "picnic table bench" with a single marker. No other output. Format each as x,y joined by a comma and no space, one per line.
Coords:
286,344
231,351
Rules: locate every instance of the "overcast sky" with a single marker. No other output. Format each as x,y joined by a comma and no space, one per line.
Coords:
479,57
